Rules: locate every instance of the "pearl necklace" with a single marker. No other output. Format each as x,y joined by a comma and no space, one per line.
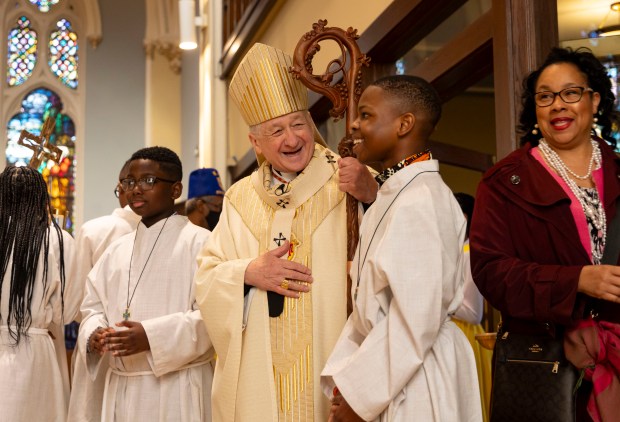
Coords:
551,155
593,209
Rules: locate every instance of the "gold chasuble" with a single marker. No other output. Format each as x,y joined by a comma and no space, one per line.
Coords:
268,368
295,212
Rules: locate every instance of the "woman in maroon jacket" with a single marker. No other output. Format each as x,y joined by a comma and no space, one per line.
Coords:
540,223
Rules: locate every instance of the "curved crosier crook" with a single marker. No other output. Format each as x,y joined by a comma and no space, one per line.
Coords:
344,95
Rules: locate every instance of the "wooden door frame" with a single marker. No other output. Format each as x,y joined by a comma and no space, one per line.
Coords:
509,41
524,32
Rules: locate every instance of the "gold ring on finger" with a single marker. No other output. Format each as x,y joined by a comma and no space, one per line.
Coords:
284,284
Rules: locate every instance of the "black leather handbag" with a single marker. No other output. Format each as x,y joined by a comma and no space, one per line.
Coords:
532,380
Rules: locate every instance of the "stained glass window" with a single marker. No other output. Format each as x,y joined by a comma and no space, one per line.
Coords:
37,106
22,52
64,53
44,5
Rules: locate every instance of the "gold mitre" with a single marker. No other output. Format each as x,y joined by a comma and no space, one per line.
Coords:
263,88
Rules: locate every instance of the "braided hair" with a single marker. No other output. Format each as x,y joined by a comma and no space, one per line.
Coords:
25,213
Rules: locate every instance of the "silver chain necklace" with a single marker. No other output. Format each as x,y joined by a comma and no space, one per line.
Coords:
593,209
127,313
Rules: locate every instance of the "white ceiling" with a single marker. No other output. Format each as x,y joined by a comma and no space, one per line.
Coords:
576,18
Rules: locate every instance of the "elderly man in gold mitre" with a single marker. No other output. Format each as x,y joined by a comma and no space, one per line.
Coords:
272,279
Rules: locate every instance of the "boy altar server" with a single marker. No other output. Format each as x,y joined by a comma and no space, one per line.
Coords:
91,241
400,357
140,307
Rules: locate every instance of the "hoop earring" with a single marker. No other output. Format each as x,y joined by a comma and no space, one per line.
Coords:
535,130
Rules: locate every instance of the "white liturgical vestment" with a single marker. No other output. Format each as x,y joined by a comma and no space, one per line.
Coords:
268,368
34,382
95,235
400,357
172,380
91,241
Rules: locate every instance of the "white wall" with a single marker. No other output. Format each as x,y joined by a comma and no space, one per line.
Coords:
190,114
115,106
213,95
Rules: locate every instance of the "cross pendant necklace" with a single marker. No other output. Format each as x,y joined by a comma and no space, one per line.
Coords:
127,312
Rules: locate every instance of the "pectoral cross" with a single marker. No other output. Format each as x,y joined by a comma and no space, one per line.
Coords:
126,314
40,145
279,240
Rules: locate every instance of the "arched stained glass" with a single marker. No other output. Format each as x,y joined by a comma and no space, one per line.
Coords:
37,106
64,53
22,52
44,5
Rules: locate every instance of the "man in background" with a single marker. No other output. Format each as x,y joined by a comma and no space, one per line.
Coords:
205,198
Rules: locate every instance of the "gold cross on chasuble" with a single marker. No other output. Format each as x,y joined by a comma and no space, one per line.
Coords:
40,145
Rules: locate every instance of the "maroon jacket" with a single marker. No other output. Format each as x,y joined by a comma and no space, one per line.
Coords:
526,255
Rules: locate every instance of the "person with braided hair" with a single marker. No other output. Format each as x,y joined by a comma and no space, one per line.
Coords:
34,253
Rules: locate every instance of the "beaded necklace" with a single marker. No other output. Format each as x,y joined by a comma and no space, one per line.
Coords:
592,206
551,155
418,156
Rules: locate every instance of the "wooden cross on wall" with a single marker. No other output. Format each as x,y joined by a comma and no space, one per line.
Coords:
41,146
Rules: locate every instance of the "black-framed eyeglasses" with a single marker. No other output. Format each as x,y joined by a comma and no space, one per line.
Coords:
117,190
145,183
568,95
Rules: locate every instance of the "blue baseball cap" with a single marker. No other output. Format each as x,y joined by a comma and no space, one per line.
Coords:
203,182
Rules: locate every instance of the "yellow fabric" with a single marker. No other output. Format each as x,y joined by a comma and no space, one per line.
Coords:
313,214
483,363
262,88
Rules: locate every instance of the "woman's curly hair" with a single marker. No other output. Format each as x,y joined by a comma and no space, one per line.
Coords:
598,80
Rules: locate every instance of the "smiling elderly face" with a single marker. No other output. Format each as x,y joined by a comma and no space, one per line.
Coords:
286,142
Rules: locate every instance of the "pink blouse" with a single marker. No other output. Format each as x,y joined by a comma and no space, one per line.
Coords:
575,206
